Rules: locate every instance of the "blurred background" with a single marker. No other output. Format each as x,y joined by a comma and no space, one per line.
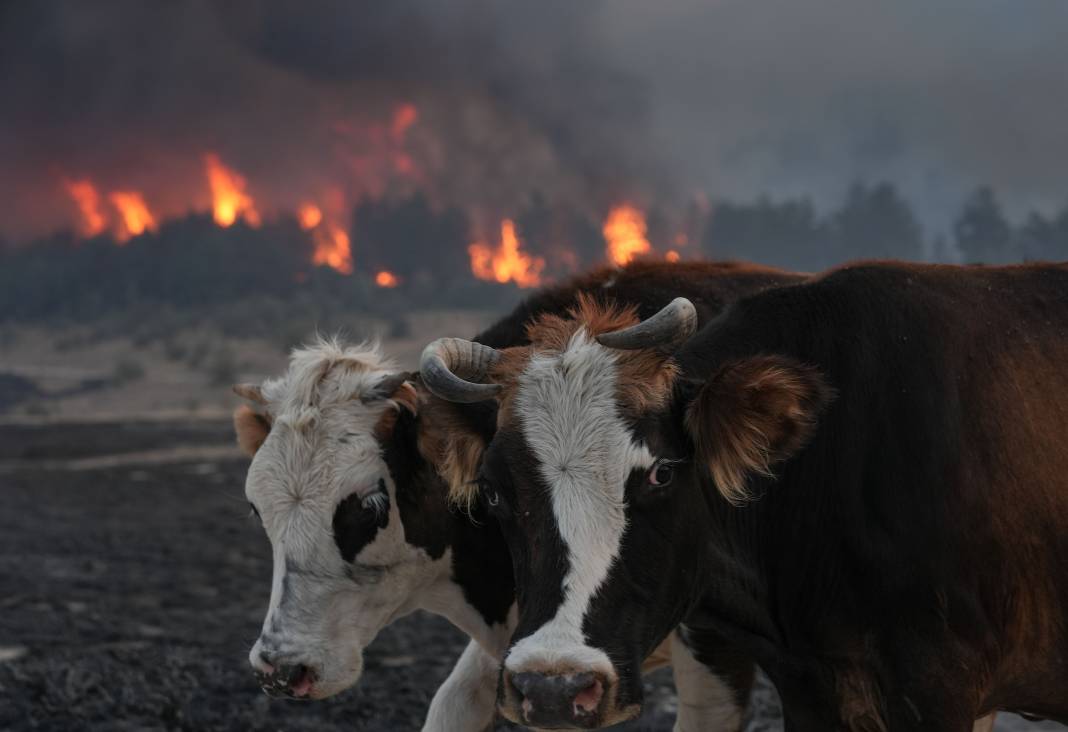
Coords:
189,189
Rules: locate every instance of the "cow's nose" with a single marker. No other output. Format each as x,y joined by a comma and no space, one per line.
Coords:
278,679
552,701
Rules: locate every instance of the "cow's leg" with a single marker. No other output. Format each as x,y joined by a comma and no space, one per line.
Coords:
467,700
709,700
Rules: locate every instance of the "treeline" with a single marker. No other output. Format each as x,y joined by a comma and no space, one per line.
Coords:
875,222
191,263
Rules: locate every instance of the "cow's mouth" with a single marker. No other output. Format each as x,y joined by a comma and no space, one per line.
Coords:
293,682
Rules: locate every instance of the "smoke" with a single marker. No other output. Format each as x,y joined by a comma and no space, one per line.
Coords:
582,104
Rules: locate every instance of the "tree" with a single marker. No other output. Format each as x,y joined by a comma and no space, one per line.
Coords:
875,222
981,231
786,234
1045,239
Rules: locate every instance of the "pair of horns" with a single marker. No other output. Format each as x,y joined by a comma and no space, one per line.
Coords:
454,369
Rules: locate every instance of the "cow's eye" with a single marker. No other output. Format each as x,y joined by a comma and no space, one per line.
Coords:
662,473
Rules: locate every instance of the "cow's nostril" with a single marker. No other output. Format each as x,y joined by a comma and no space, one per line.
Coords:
268,662
294,680
552,700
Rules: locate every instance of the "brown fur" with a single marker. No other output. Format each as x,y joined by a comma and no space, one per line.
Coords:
251,428
861,705
404,397
447,442
752,414
645,377
407,397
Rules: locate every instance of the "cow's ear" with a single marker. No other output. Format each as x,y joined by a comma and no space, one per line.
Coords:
396,387
251,428
750,415
403,395
452,438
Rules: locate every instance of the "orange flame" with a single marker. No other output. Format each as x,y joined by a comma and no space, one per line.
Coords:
229,199
309,216
672,256
385,278
333,248
506,262
87,199
624,232
404,116
133,211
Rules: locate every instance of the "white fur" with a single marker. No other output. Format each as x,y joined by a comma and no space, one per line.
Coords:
322,611
467,700
585,452
705,700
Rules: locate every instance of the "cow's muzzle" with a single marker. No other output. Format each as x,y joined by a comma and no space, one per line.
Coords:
285,681
557,701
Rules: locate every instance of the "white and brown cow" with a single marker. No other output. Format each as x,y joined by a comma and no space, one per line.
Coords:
861,481
359,476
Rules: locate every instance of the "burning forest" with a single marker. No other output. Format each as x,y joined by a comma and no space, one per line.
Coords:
421,153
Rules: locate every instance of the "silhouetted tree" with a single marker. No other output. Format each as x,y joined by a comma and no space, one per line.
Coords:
410,238
981,231
787,234
875,222
1045,239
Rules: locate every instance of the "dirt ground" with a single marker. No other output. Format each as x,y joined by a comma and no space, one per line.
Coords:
132,583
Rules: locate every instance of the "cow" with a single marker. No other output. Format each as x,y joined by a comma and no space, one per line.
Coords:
362,480
859,481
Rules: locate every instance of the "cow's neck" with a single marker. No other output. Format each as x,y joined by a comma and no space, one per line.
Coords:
735,587
474,590
475,593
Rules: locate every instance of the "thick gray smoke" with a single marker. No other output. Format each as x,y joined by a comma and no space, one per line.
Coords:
586,102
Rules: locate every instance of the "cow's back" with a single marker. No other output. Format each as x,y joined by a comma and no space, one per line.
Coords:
647,284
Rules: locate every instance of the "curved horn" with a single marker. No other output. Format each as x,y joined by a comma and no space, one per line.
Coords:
666,331
448,363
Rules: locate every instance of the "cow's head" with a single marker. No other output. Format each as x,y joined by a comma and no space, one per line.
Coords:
345,563
600,474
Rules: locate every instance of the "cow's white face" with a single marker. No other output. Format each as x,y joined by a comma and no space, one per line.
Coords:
343,568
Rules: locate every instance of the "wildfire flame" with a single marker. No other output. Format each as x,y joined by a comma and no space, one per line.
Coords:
229,199
87,199
672,256
624,232
309,216
506,262
385,278
133,213
332,247
404,116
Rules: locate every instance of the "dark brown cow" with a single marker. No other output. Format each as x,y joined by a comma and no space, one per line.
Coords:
861,481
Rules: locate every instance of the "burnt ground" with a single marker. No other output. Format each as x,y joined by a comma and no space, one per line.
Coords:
130,591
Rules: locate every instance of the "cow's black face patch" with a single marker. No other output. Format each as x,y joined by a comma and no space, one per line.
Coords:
512,492
358,519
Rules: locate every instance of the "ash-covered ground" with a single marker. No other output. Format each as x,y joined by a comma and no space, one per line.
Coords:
132,582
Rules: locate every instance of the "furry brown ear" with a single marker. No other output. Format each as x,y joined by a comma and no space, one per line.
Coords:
251,428
752,414
252,392
404,395
450,442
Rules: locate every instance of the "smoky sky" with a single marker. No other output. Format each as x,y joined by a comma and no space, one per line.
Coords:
584,102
